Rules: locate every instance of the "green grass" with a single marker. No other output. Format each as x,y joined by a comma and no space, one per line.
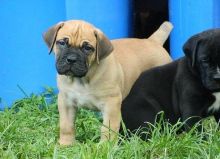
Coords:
30,130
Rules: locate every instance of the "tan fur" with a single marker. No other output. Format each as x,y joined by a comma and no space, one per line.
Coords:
109,80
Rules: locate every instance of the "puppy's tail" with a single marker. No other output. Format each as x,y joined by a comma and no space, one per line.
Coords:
162,33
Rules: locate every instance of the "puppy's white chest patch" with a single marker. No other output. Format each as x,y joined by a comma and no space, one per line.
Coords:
216,105
80,94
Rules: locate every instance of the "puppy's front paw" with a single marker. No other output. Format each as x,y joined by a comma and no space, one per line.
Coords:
66,140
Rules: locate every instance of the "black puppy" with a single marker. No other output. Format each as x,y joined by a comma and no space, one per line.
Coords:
186,89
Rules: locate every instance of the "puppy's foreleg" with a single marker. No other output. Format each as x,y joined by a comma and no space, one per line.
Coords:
67,117
111,119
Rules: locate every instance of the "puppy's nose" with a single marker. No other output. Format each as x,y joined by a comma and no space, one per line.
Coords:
71,59
216,77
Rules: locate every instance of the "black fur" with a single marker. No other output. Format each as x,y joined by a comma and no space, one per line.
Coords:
72,62
182,89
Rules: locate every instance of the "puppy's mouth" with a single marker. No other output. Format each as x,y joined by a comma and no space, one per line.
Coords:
72,71
215,90
212,85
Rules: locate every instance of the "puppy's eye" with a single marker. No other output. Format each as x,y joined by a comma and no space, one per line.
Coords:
86,47
205,59
63,42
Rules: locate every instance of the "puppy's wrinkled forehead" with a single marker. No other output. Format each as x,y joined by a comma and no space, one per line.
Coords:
210,42
77,32
212,38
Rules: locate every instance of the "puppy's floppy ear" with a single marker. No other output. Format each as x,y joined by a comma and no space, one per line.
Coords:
103,45
51,34
190,48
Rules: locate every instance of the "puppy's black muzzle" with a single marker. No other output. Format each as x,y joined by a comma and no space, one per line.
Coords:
72,63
